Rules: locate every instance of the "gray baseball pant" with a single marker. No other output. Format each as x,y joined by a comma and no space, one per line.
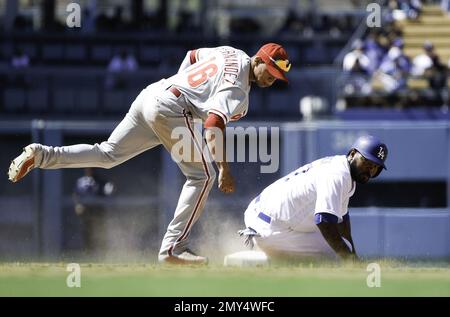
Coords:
149,122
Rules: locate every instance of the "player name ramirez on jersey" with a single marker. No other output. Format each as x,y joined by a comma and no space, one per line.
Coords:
216,81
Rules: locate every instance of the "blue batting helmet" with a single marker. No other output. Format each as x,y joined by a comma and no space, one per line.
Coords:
372,149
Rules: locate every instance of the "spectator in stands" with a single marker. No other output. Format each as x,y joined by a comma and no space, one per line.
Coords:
307,22
186,21
117,19
299,25
325,24
120,65
156,21
356,78
423,61
89,191
292,25
405,9
356,55
337,26
342,24
88,19
396,58
22,23
357,85
438,92
393,74
375,47
20,59
414,8
445,5
244,25
111,21
394,35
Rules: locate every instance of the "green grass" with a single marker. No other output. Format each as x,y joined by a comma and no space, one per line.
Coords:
308,279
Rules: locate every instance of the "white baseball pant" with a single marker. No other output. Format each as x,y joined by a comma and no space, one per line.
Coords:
278,238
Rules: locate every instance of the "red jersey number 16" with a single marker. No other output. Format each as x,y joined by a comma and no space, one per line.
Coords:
200,74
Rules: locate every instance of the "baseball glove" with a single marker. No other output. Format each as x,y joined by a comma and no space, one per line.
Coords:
248,234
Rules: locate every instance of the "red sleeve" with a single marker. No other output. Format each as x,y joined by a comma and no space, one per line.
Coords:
214,120
193,57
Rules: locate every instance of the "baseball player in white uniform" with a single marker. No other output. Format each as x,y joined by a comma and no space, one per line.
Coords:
305,213
212,85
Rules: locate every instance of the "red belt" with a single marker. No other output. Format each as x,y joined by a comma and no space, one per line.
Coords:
175,91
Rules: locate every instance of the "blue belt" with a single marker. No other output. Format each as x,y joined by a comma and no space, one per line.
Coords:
264,217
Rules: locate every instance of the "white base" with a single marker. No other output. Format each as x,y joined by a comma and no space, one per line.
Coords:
246,258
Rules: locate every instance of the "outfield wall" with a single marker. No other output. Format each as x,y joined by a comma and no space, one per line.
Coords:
37,219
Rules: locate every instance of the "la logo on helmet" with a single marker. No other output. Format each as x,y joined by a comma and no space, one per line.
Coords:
381,153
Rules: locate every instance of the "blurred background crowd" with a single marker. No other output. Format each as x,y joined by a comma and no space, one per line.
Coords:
399,65
340,62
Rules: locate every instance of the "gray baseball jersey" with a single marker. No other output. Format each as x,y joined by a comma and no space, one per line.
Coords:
210,80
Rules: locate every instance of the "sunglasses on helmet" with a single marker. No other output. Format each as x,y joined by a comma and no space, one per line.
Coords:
283,64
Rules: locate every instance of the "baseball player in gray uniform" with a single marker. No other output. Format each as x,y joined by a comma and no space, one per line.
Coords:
212,85
305,213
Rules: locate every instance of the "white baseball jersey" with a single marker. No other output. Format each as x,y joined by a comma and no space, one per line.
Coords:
323,186
215,80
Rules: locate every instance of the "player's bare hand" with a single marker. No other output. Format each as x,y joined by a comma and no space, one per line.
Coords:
226,181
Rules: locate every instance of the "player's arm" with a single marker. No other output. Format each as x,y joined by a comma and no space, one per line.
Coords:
190,58
225,103
328,226
345,230
215,139
330,197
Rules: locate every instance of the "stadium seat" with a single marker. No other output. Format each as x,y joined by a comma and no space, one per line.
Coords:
131,95
86,100
37,100
14,99
315,54
75,53
30,49
256,103
283,101
6,50
101,54
64,100
53,52
150,54
114,102
173,54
